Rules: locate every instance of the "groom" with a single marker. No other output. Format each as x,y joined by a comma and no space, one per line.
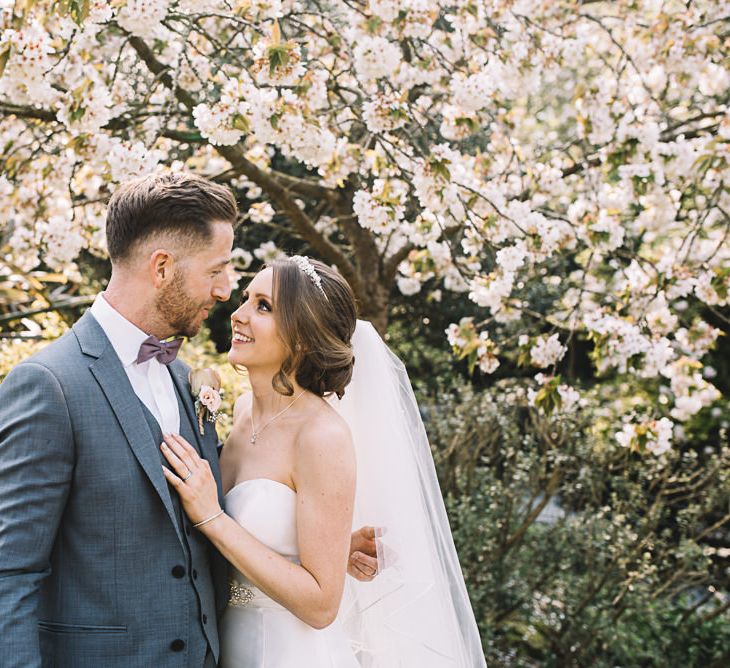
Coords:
99,566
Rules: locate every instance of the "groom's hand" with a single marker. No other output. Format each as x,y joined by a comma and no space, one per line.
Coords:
363,562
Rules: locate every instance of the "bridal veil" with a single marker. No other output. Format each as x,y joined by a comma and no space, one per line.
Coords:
417,611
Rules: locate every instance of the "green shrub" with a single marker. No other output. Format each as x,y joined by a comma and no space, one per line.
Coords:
626,572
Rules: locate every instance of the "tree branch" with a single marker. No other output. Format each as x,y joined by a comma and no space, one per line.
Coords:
716,612
118,123
550,488
21,111
71,302
391,264
278,193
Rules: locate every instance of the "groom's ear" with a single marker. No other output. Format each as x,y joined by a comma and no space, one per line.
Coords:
161,266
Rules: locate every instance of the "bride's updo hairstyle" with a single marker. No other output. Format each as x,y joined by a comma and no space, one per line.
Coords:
316,314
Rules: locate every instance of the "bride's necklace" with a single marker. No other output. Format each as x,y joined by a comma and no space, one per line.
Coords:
255,434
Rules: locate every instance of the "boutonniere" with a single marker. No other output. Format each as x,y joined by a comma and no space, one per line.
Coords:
205,385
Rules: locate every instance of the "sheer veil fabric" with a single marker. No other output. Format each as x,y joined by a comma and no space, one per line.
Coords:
417,611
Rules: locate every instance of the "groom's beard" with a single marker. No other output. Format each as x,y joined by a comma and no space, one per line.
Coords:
175,306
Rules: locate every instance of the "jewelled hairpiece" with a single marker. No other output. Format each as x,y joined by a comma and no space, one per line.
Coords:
306,266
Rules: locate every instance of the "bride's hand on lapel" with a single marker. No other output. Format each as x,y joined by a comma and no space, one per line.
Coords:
192,479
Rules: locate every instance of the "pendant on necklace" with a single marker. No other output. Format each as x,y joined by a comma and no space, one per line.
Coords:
255,434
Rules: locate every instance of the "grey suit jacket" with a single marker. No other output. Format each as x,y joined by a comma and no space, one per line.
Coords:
98,565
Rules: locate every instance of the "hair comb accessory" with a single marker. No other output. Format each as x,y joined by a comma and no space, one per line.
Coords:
306,266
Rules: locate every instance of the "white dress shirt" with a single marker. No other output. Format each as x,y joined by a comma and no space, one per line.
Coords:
150,380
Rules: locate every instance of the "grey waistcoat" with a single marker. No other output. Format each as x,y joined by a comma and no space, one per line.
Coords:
196,570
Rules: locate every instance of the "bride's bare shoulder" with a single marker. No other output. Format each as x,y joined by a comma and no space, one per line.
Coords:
324,434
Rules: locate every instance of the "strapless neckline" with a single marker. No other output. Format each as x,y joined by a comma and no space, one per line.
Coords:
250,480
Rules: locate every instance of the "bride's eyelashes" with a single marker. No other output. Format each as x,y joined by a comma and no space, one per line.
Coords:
261,305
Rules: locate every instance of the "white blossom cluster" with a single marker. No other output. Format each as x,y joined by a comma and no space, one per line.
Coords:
261,212
483,348
655,434
570,398
24,79
624,341
268,9
493,149
129,160
241,258
385,113
376,57
223,123
379,209
547,351
142,17
268,252
691,391
285,74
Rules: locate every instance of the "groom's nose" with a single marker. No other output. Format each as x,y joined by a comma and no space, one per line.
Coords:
222,288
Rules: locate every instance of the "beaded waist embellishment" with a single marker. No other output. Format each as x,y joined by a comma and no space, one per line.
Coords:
239,594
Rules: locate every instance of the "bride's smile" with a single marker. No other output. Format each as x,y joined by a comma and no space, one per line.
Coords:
255,341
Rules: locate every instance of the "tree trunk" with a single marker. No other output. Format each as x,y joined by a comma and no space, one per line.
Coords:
373,306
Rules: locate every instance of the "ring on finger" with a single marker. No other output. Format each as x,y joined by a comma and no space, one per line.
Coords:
190,473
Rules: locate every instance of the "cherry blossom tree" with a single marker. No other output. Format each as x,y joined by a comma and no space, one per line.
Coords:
502,149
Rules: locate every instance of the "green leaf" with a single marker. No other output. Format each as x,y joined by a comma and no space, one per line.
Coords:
399,114
78,10
440,168
278,56
523,358
240,122
373,24
4,56
467,122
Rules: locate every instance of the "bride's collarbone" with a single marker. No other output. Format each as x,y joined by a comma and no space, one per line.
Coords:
272,457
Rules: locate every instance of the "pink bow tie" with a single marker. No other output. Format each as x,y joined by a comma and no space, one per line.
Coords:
164,351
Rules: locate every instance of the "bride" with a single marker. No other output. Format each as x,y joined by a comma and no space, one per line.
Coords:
330,434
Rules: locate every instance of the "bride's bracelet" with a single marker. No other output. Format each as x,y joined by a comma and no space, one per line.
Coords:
210,519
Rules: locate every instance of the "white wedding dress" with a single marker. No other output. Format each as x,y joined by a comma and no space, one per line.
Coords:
256,631
416,612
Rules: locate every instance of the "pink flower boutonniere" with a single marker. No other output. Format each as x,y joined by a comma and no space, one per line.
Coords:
205,385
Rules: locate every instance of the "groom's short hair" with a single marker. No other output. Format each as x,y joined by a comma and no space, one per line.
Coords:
180,204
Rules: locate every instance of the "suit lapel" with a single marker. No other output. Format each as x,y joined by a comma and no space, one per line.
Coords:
109,373
179,375
204,444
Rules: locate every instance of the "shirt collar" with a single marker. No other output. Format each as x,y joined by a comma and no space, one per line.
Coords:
125,337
